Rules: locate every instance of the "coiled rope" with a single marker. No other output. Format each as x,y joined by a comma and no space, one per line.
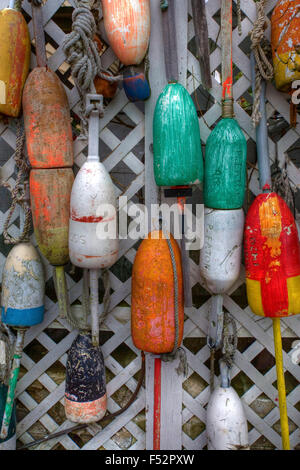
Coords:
261,50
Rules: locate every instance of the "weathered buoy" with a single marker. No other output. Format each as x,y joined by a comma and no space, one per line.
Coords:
225,166
22,306
14,60
226,424
50,192
152,298
136,86
285,39
221,255
47,121
85,395
176,139
9,443
127,25
272,258
104,87
22,299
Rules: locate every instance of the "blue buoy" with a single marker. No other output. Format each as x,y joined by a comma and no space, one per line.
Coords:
136,86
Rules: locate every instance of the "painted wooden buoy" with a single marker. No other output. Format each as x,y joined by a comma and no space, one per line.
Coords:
221,255
14,60
272,258
93,211
176,139
225,166
50,191
136,86
152,298
22,299
285,39
85,394
47,121
105,88
226,424
9,443
127,25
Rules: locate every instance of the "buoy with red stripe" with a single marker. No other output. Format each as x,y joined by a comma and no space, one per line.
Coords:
85,393
50,150
93,238
14,59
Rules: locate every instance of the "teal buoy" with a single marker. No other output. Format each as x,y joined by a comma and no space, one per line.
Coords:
225,166
176,139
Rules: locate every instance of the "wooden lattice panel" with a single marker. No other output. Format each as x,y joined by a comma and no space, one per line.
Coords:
127,153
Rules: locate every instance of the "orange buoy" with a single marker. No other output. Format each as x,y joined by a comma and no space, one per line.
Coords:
14,60
47,121
127,25
50,192
153,295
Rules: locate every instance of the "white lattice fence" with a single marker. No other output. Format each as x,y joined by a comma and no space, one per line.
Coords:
123,147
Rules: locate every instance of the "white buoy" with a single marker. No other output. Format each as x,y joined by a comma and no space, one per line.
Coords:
220,258
226,424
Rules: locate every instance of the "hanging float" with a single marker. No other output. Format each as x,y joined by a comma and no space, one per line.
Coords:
14,59
85,395
50,151
285,40
127,25
153,293
22,306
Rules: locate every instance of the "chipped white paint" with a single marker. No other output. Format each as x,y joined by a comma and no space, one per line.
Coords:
220,257
226,424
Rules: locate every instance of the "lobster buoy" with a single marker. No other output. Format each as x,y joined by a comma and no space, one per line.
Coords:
9,443
85,394
93,204
136,86
152,298
226,424
225,166
23,287
272,258
127,25
14,59
50,191
47,121
220,257
176,139
285,39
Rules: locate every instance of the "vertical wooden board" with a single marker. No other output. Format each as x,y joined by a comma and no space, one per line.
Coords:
171,406
149,383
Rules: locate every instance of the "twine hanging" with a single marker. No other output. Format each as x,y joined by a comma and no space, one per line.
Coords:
261,50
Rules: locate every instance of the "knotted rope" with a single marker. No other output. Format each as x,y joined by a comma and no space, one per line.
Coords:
261,50
18,193
176,352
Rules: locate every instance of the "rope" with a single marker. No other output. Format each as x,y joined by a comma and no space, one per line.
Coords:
107,417
261,50
18,193
176,352
239,16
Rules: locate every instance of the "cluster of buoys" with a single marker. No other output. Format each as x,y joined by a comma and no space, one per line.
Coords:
68,213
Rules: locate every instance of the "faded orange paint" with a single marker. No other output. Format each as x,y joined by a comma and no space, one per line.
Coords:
14,60
47,121
152,299
50,192
127,25
85,412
